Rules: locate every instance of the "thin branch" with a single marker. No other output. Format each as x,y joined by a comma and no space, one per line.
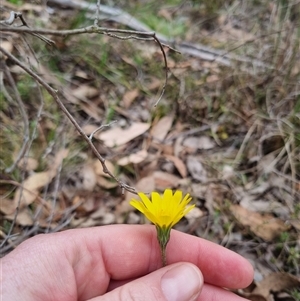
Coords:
96,21
14,15
11,19
99,129
53,93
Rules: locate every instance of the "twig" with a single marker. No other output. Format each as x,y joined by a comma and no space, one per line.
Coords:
96,21
99,129
54,95
14,15
245,141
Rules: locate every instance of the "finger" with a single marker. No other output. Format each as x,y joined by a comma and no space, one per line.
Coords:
181,281
220,266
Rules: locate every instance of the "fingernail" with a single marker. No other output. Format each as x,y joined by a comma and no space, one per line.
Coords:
182,283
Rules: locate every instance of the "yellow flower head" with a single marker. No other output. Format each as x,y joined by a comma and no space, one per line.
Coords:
163,211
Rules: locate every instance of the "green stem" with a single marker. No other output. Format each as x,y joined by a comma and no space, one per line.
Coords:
163,256
163,236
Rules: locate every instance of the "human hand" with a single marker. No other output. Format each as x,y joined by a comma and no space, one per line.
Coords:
121,262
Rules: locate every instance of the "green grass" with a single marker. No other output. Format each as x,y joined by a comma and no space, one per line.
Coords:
16,2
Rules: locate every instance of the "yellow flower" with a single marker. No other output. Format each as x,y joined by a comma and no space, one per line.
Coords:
163,211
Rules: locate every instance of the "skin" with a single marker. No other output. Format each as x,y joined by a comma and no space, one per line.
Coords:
84,264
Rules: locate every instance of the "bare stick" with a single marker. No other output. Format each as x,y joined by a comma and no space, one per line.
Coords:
96,21
14,15
99,129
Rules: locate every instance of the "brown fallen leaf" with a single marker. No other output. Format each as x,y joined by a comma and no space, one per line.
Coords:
38,180
32,185
265,226
8,46
164,180
276,282
129,97
180,166
88,177
7,206
105,183
85,91
118,136
24,218
28,164
134,158
202,142
160,130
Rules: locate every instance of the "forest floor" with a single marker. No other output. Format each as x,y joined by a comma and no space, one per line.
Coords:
226,129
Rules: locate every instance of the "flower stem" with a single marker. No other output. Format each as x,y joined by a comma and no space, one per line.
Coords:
163,256
163,236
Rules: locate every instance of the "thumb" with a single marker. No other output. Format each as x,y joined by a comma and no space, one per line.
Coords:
176,282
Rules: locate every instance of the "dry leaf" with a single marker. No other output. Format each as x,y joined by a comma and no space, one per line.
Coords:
31,187
194,214
160,130
81,74
105,183
202,142
178,164
212,78
24,218
276,282
154,83
265,226
38,180
164,180
28,164
196,169
118,136
8,46
92,110
88,177
135,158
129,97
7,206
88,129
295,223
85,91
